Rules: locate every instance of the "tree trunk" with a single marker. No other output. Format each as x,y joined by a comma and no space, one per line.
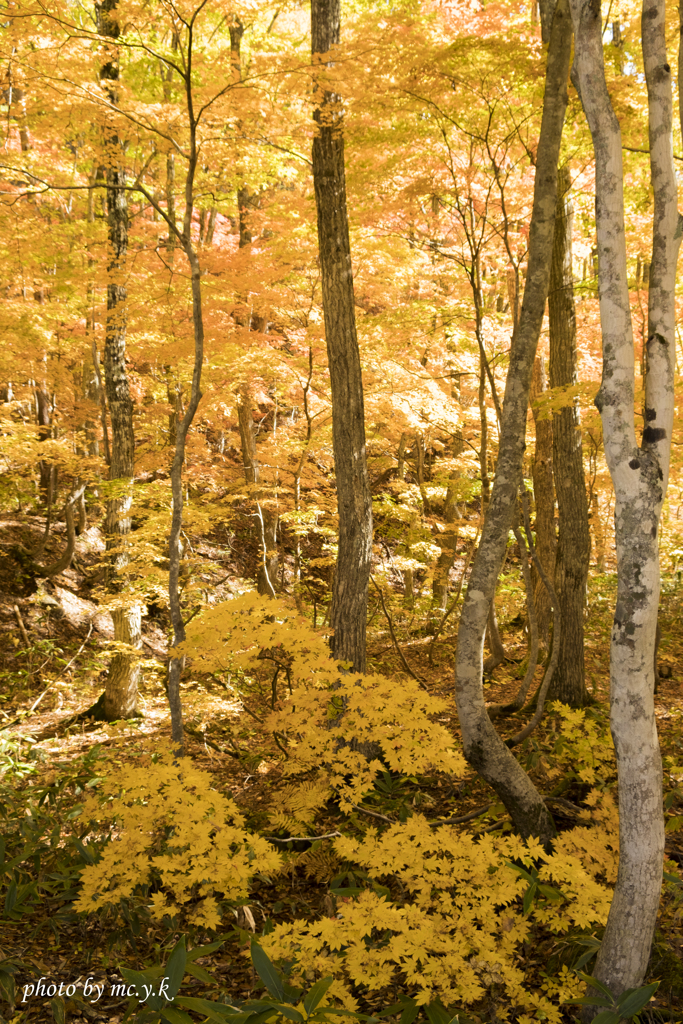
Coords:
447,541
170,203
495,644
483,437
484,748
544,499
574,543
121,687
252,471
640,475
49,472
350,590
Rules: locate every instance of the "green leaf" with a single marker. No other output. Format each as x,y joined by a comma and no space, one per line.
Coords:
175,968
607,1017
217,1011
632,1002
11,897
266,971
590,1001
175,1016
58,1011
198,951
437,1013
290,1012
136,978
334,1011
410,1013
529,897
198,972
315,994
594,983
550,893
585,957
259,1018
520,871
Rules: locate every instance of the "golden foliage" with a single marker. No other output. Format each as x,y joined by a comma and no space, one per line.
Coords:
457,930
172,830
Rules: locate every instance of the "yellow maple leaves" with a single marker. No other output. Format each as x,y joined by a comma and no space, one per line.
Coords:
175,834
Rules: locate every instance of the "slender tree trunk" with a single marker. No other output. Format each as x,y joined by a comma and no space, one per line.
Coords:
495,645
266,514
121,688
544,499
447,541
49,472
484,748
252,470
574,542
483,437
640,475
170,203
350,591
211,226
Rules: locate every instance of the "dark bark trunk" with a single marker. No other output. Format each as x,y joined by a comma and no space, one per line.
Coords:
65,559
401,457
350,591
483,747
121,687
170,203
574,545
49,473
544,500
248,438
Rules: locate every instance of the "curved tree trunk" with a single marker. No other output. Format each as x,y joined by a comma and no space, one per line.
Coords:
121,687
640,475
484,748
574,543
350,591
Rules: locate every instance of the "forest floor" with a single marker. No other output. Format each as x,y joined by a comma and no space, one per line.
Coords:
53,656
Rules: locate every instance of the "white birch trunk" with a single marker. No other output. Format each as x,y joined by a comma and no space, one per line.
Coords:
639,475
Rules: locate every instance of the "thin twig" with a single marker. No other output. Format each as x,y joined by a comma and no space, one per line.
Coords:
373,814
455,599
393,637
507,709
564,803
301,839
80,649
78,652
22,627
463,817
512,741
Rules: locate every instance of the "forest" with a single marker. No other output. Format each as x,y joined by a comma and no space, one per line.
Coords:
341,511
